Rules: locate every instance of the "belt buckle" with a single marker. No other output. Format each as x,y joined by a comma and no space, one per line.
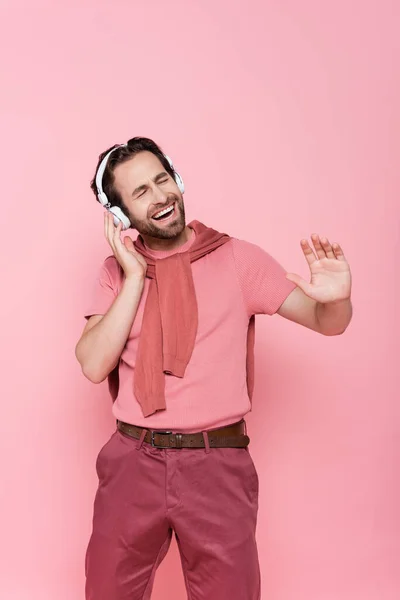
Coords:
159,432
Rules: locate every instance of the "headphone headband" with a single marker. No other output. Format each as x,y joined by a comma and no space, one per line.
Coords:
100,172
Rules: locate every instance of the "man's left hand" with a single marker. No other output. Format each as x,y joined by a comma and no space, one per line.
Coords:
330,272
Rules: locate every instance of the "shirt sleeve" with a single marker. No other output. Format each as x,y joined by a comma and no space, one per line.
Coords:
104,290
262,279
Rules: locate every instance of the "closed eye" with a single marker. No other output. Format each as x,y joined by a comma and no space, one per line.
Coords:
140,191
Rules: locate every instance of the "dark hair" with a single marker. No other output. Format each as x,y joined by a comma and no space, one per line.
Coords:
121,155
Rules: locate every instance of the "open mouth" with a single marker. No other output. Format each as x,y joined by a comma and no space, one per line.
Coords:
165,214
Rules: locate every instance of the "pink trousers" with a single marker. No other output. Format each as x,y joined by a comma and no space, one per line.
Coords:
209,499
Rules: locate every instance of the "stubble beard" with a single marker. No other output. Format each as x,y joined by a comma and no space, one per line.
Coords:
149,227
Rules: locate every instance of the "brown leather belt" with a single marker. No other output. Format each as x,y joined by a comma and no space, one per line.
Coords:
232,436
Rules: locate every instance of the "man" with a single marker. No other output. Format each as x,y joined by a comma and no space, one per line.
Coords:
171,325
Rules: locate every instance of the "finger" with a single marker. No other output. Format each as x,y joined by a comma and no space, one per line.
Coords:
327,247
106,224
110,227
308,252
318,246
116,233
338,251
119,246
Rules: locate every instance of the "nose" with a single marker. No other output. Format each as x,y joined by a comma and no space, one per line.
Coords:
159,194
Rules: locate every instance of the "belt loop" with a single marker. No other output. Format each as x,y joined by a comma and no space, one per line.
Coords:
206,442
140,441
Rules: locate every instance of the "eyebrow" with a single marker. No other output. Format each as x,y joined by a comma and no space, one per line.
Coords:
144,186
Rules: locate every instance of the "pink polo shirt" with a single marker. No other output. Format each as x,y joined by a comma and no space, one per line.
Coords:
232,283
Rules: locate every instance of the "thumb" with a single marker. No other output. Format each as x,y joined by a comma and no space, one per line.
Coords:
129,243
299,281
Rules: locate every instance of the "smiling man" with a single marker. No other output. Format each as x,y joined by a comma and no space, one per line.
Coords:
147,175
171,325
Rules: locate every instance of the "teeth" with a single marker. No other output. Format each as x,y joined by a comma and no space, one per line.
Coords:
163,212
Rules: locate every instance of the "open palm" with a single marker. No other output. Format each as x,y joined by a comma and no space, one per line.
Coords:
330,279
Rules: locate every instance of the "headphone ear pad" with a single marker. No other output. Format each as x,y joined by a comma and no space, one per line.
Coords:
120,216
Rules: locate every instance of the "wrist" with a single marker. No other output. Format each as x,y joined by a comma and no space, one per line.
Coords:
333,317
135,279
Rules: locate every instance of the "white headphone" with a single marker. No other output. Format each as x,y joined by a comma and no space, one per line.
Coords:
117,213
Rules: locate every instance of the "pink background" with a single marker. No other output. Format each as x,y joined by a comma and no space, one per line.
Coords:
283,118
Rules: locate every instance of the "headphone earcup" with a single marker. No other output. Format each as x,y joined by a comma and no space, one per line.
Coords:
178,178
179,183
119,216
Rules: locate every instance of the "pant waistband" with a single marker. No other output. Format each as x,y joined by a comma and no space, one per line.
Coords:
231,436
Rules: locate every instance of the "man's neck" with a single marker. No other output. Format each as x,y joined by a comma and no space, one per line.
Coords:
168,244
